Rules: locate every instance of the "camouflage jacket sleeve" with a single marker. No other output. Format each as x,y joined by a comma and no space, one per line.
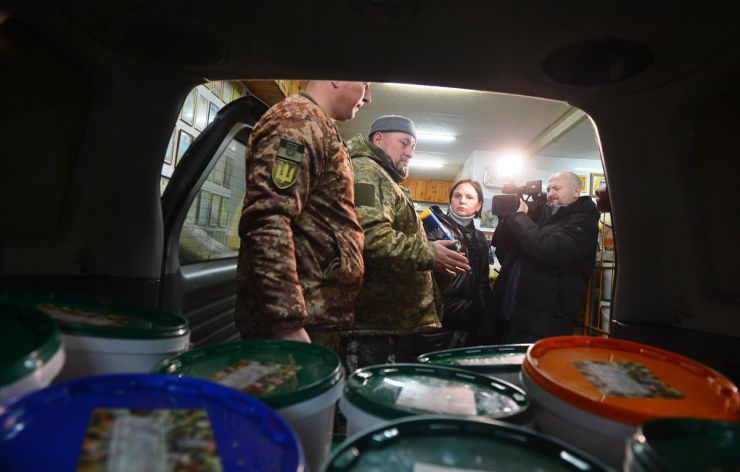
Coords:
394,239
270,211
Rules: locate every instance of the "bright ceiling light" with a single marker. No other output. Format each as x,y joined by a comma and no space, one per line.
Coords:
429,88
438,137
425,163
510,164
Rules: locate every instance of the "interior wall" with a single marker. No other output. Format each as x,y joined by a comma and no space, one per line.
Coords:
535,168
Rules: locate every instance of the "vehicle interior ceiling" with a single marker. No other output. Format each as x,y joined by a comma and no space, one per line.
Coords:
658,80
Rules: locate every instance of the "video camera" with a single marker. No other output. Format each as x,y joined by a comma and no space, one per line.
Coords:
507,204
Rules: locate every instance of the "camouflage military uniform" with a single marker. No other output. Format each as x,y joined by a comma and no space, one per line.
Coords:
398,295
300,261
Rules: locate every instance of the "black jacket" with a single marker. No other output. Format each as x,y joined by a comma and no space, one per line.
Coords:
465,296
545,266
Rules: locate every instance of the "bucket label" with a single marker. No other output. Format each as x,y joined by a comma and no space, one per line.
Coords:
511,358
68,315
153,440
255,378
444,398
424,467
625,379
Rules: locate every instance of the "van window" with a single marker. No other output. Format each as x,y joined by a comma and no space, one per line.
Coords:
210,230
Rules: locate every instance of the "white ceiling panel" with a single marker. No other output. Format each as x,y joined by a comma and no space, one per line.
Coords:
482,121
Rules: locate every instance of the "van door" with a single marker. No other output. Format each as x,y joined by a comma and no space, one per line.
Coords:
201,206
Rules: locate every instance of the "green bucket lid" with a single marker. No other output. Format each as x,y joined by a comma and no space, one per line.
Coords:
687,444
280,373
398,390
437,443
28,340
80,315
488,359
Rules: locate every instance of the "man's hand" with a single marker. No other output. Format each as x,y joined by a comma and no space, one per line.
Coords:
447,260
602,199
523,207
293,334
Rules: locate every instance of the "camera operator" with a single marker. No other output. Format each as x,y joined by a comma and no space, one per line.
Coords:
546,260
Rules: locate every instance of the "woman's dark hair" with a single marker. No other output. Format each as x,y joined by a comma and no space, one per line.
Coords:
477,188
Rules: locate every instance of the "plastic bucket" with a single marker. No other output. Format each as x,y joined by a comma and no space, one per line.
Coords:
684,444
144,422
31,351
445,444
378,394
301,381
500,361
108,337
594,392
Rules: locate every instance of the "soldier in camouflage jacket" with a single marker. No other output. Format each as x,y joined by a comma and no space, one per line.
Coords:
398,296
300,261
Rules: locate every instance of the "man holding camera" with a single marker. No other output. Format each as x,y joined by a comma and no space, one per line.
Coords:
545,265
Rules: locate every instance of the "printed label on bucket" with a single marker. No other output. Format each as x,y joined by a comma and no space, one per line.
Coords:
444,398
255,378
625,379
424,467
510,358
153,440
68,315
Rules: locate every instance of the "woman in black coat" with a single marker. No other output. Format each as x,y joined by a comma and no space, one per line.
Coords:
465,296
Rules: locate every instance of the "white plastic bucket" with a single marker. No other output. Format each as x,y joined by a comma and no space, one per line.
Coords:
301,382
594,392
382,393
32,353
500,361
88,355
454,444
104,336
313,422
594,434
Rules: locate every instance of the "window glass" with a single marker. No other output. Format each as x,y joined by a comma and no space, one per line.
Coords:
198,110
210,230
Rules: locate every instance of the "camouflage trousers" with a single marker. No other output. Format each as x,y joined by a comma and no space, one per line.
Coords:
362,351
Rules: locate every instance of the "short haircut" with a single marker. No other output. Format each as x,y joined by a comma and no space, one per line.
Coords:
478,191
572,179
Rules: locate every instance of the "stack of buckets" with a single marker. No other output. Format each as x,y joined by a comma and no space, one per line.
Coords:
113,413
269,404
612,403
444,414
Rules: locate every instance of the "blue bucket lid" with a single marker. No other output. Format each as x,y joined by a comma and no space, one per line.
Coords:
67,421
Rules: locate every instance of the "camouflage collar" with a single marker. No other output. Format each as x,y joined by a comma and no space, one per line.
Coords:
378,155
313,100
306,95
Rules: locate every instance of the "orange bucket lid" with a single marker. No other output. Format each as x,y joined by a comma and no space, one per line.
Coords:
629,382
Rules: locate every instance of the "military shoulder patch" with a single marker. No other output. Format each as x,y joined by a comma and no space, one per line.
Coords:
286,167
291,150
364,194
284,173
